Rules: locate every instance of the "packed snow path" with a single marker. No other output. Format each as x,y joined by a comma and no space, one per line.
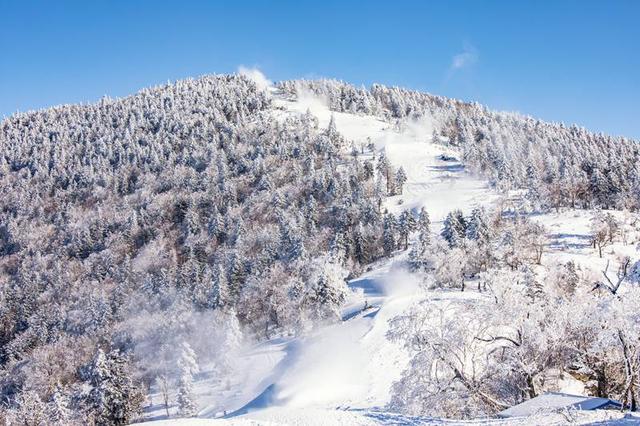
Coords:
352,364
342,373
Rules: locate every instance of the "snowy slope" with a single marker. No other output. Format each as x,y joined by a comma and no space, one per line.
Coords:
350,365
343,373
438,185
569,236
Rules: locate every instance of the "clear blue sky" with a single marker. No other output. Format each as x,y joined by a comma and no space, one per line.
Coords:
571,61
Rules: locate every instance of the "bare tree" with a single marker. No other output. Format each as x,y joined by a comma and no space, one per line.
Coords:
604,228
621,275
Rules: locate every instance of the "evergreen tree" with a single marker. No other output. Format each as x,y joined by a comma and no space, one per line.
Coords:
367,170
329,291
454,229
534,289
29,410
389,231
311,213
419,251
359,246
334,136
58,412
220,292
406,225
337,249
401,178
113,397
187,367
424,227
478,227
383,167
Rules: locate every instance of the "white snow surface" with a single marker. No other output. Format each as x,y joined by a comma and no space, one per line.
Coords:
342,373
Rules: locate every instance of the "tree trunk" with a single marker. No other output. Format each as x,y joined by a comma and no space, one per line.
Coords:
601,380
531,390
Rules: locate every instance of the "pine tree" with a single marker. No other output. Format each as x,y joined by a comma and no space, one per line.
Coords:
478,227
329,292
332,133
391,181
389,231
191,221
188,367
337,248
29,410
220,291
292,240
406,225
401,178
236,274
216,227
58,412
367,170
361,245
424,227
599,188
454,228
419,251
113,397
534,289
383,167
311,213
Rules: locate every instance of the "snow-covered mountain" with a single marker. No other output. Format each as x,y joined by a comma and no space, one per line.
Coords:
228,251
344,373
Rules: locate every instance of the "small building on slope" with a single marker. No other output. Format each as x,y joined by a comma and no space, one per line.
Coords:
555,401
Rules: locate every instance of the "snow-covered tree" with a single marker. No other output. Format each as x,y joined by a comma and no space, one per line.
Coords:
113,396
58,410
188,367
406,225
454,229
400,179
478,227
389,233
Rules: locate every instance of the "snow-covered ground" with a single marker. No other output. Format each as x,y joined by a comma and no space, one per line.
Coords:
569,238
343,373
323,417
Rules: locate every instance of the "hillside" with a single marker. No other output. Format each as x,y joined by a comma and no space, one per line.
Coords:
217,248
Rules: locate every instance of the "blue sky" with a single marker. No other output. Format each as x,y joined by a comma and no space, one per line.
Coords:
571,61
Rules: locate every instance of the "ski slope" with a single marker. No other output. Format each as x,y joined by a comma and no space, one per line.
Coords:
349,365
438,185
343,373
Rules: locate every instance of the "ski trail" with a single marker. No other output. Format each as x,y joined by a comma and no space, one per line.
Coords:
352,364
440,185
343,373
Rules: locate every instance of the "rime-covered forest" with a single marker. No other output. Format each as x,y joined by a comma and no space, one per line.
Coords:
140,237
558,165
